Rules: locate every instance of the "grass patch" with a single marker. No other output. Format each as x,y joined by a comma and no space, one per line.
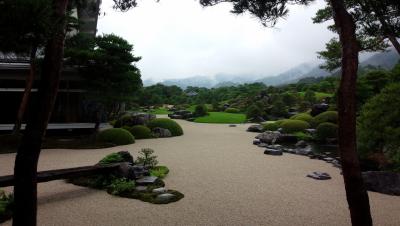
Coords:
160,111
318,95
222,117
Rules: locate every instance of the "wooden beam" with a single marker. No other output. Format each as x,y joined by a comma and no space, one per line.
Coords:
49,175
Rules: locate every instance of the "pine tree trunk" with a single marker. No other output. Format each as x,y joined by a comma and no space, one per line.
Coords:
395,43
27,92
25,169
357,196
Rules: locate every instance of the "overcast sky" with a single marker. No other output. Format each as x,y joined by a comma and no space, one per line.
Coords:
180,38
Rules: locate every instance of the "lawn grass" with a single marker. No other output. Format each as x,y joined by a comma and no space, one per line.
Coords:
222,117
160,111
318,95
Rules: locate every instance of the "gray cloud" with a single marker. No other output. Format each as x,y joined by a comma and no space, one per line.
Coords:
179,38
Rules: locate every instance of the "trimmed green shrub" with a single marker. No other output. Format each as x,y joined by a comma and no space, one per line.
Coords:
122,156
140,132
200,110
253,112
271,126
159,171
165,123
303,136
121,186
116,136
292,126
304,117
326,130
327,116
232,110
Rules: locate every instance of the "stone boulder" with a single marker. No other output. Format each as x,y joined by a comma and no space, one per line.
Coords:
304,151
301,144
382,182
269,151
269,137
161,132
287,138
318,109
255,128
319,176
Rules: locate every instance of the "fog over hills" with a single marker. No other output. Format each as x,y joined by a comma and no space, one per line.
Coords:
385,60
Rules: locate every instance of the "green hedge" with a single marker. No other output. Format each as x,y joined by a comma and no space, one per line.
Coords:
232,110
303,117
140,132
165,123
292,126
327,116
326,130
271,126
116,136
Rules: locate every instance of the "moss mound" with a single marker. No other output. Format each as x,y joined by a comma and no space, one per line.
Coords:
326,130
165,123
159,171
140,132
116,136
327,116
293,126
303,117
271,126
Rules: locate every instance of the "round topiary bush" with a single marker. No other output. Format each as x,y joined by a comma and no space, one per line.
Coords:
232,110
116,136
140,132
326,130
304,117
271,127
165,123
327,116
292,126
200,110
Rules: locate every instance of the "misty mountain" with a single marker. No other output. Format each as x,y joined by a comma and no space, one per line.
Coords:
385,60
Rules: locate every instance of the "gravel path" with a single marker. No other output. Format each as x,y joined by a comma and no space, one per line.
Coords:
226,181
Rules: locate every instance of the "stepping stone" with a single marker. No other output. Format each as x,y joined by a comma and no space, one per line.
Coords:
262,145
146,180
164,198
272,152
232,125
141,188
160,190
256,142
319,176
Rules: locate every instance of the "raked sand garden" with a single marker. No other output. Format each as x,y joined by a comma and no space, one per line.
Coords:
226,180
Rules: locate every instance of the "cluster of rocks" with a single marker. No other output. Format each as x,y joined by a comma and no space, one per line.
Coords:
181,114
161,132
135,118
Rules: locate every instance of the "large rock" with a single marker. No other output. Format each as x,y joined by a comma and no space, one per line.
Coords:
161,132
269,137
304,151
301,144
181,114
269,151
382,182
146,181
318,109
164,198
255,128
287,138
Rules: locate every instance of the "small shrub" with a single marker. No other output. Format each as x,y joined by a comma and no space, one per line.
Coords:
122,156
232,110
147,158
200,110
6,206
116,136
304,117
159,171
171,125
121,186
326,130
327,116
303,136
271,126
292,126
140,132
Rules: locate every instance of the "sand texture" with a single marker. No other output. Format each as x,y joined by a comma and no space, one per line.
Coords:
226,181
